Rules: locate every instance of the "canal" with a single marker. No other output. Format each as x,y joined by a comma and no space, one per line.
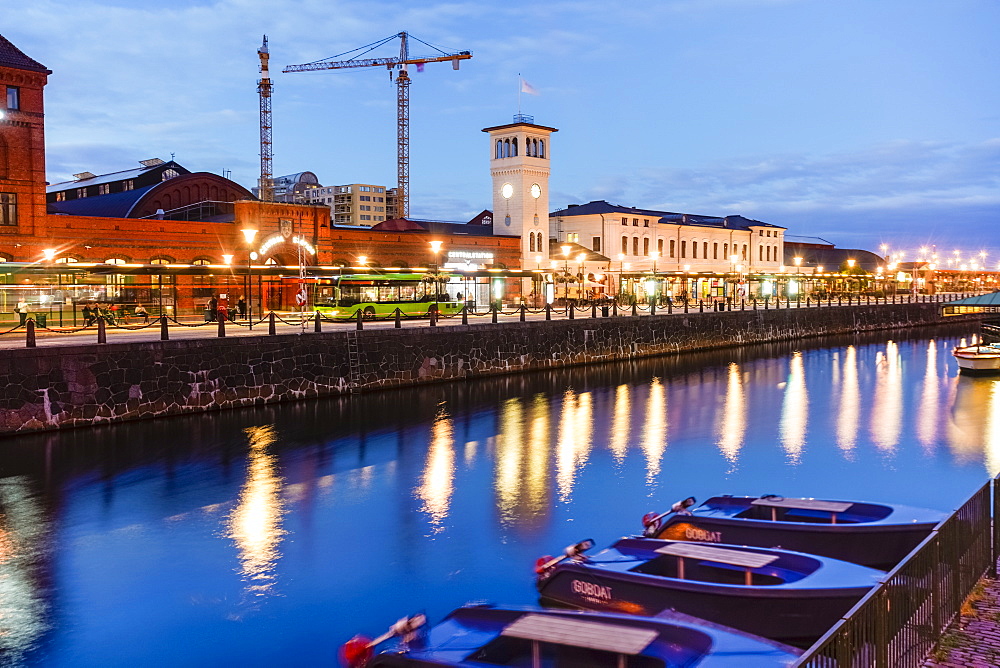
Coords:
268,536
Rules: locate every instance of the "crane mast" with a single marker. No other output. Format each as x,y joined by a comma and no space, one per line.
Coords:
402,98
266,184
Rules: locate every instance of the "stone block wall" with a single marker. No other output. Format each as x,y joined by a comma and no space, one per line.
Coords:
60,387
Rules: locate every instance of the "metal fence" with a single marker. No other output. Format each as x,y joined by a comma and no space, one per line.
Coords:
899,622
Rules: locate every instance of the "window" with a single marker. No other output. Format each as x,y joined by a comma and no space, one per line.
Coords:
715,251
645,246
597,244
364,217
704,250
169,174
365,189
159,260
725,251
61,196
200,261
573,237
380,190
645,222
118,260
635,222
744,252
128,184
684,248
659,247
624,245
365,198
635,246
8,208
694,249
81,192
541,148
673,248
760,254
531,242
760,232
104,189
624,221
13,97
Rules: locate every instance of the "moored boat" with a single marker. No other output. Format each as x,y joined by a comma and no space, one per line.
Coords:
871,534
982,358
768,592
534,637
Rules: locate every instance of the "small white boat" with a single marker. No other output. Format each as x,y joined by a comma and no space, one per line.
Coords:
982,358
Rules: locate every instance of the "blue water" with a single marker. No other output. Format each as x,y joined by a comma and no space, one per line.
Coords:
269,536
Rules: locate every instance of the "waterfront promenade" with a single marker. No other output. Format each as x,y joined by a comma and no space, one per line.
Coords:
190,327
975,641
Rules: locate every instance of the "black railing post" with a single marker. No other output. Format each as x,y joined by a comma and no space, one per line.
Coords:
465,314
522,312
164,329
572,311
399,318
767,302
29,333
272,328
614,308
493,308
318,326
685,305
222,325
433,313
807,302
701,305
102,331
652,306
635,309
670,306
548,311
361,318
840,300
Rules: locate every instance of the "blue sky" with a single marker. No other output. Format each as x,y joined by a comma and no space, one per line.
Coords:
859,121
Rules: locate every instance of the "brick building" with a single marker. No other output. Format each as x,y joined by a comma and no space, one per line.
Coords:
162,214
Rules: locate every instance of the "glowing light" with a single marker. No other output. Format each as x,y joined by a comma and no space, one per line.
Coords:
733,426
621,423
573,445
654,432
437,484
849,411
249,235
255,523
927,417
887,406
794,410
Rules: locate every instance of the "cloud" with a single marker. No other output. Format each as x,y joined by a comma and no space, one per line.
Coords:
887,189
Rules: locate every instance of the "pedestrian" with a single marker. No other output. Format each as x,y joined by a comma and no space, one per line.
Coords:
141,312
88,315
241,307
213,309
21,309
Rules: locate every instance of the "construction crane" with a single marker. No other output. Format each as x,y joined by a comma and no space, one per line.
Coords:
265,188
402,96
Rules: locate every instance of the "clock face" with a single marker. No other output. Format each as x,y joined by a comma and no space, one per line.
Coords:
536,190
507,191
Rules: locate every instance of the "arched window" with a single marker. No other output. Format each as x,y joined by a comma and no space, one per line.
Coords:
684,248
506,148
760,253
201,261
635,246
744,252
513,146
114,260
659,247
541,148
160,260
271,261
704,250
673,248
725,251
694,249
625,245
531,242
499,149
645,246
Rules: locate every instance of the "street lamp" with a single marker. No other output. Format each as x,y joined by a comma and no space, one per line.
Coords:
798,278
656,288
249,235
435,249
850,270
565,253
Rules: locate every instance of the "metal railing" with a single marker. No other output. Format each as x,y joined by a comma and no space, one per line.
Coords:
898,623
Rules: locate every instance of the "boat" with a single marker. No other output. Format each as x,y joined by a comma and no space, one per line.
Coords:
534,637
778,594
871,534
981,358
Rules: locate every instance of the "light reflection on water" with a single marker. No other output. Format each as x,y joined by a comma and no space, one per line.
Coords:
118,549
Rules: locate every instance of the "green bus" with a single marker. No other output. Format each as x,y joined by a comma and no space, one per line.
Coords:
380,295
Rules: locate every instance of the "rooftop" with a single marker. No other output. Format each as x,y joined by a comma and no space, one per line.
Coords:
11,56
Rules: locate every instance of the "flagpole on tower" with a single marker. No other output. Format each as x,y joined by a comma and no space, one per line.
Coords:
519,93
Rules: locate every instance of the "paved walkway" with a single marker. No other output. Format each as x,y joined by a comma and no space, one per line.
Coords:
976,641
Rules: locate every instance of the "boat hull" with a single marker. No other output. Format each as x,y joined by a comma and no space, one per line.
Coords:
978,360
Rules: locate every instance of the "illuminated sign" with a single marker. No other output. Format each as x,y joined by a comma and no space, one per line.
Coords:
271,242
469,255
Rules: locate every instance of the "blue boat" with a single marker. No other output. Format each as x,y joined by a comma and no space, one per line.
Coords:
535,637
871,534
768,592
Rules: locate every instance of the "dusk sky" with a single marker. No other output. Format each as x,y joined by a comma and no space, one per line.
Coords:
859,121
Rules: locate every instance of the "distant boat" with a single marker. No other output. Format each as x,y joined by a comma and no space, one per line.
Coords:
982,358
872,534
773,593
535,637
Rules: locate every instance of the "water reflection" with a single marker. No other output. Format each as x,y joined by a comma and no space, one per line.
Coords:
23,546
521,470
732,427
929,411
574,440
654,432
887,406
621,422
849,409
974,428
795,410
255,523
438,481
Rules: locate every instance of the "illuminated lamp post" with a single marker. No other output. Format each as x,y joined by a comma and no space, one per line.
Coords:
249,235
621,273
565,253
49,254
582,259
656,286
850,270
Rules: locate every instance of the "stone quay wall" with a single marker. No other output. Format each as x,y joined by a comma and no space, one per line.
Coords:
61,387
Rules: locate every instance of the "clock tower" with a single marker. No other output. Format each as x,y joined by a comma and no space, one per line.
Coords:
519,167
